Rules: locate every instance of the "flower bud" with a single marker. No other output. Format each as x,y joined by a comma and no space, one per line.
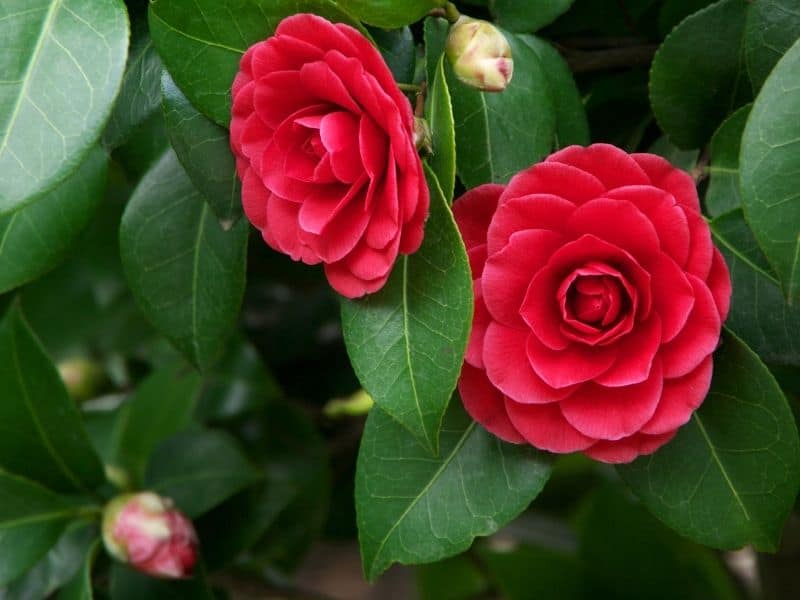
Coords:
480,54
423,139
147,532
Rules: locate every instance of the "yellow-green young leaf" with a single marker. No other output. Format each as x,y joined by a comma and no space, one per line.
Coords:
439,112
698,75
412,508
389,14
407,341
186,273
772,27
769,165
38,236
723,186
43,436
202,41
731,475
61,62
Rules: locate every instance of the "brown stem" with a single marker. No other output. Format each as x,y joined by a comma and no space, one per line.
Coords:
419,107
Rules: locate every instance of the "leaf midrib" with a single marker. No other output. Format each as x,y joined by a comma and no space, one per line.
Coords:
407,347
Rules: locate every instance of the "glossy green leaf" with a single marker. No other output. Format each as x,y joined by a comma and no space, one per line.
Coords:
723,185
127,584
673,12
759,313
162,406
439,113
435,30
389,13
36,237
772,27
43,437
528,16
204,150
769,163
202,41
398,50
61,63
731,475
31,520
56,568
199,470
572,127
407,341
499,134
140,94
456,578
413,508
186,273
697,77
683,159
80,586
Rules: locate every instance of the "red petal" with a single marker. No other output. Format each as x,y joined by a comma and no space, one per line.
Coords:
697,339
326,202
574,364
283,233
537,211
473,212
283,53
279,95
635,354
347,284
544,427
319,80
719,282
673,296
321,32
254,199
628,449
367,263
477,259
663,175
701,251
480,321
555,178
485,404
613,413
680,398
340,235
612,166
372,144
506,366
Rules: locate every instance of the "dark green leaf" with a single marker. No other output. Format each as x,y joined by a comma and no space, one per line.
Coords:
186,273
389,13
407,341
413,508
697,77
759,313
769,167
202,41
31,520
80,587
772,27
36,237
457,578
683,159
731,475
161,407
572,126
140,94
42,434
674,11
61,63
528,16
199,470
439,112
435,32
398,50
723,186
127,584
56,568
203,148
498,134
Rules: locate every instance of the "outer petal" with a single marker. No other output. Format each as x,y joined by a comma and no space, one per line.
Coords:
283,233
701,251
486,405
480,321
536,211
719,282
663,175
680,398
673,296
254,199
557,179
473,212
347,284
544,427
612,166
574,364
628,449
635,355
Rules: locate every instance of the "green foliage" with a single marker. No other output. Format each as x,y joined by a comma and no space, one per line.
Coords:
528,16
439,112
723,188
772,28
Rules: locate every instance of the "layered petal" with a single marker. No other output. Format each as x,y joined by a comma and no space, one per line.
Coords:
486,405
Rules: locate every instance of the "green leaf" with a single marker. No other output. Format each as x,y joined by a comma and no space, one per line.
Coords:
56,568
61,63
202,41
413,508
37,236
572,127
731,475
457,578
769,165
723,186
127,584
186,273
203,148
499,134
772,27
407,341
32,519
140,94
439,113
80,587
42,433
161,407
398,50
527,16
683,159
389,13
435,30
759,313
199,470
697,77
673,12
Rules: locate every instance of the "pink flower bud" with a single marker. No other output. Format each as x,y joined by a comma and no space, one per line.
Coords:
480,54
147,532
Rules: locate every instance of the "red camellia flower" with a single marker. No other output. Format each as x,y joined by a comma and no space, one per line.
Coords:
324,146
599,301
